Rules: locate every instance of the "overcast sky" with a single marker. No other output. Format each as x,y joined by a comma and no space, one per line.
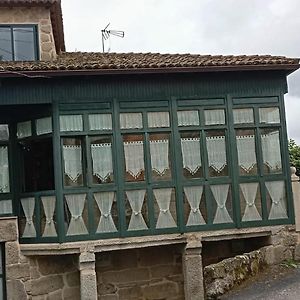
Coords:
192,26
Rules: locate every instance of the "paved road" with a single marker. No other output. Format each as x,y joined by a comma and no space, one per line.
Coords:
285,286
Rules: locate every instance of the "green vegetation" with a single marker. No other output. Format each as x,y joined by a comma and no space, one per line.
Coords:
294,153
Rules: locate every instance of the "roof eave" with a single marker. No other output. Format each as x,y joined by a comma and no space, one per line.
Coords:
287,69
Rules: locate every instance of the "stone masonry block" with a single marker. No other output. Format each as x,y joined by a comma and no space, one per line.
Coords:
130,292
162,290
165,270
18,271
45,285
16,290
12,250
297,252
56,264
126,276
72,293
156,256
8,230
73,279
57,295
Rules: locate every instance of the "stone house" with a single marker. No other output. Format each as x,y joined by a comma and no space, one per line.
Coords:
118,172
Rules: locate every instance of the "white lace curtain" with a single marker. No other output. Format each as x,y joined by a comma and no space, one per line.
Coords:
216,150
249,191
191,154
28,205
105,202
4,170
269,115
246,152
193,195
271,150
102,160
43,126
276,190
136,200
100,122
72,161
49,208
131,120
158,119
214,117
243,115
220,193
71,123
163,199
159,151
188,117
134,158
76,205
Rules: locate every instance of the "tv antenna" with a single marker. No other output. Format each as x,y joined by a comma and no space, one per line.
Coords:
107,33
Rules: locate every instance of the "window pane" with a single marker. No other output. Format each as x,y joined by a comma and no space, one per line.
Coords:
38,167
276,200
76,214
136,210
191,155
100,122
158,119
165,208
71,123
4,170
216,152
27,223
6,207
245,143
43,126
106,213
243,116
269,115
4,132
160,156
194,206
24,129
131,120
134,157
24,44
250,202
188,118
222,204
101,150
214,117
5,44
72,154
48,224
271,151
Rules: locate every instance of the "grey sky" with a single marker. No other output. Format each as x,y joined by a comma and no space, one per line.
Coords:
193,26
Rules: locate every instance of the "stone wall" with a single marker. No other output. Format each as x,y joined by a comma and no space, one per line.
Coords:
223,276
153,273
33,15
54,277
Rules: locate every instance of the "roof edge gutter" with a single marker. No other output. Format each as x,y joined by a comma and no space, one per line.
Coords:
288,69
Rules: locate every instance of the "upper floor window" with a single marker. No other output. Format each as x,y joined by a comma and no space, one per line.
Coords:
18,43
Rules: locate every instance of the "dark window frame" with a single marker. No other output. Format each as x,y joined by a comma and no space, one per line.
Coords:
36,53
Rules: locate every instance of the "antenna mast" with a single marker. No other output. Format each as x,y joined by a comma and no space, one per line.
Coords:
107,33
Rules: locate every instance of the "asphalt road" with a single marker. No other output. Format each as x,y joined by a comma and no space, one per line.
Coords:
274,284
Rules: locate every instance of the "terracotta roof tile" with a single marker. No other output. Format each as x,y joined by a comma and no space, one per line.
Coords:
135,61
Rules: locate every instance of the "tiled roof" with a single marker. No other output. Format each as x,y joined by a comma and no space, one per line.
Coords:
75,61
56,16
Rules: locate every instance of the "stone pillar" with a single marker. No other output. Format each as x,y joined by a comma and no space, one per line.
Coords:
193,271
296,197
88,279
